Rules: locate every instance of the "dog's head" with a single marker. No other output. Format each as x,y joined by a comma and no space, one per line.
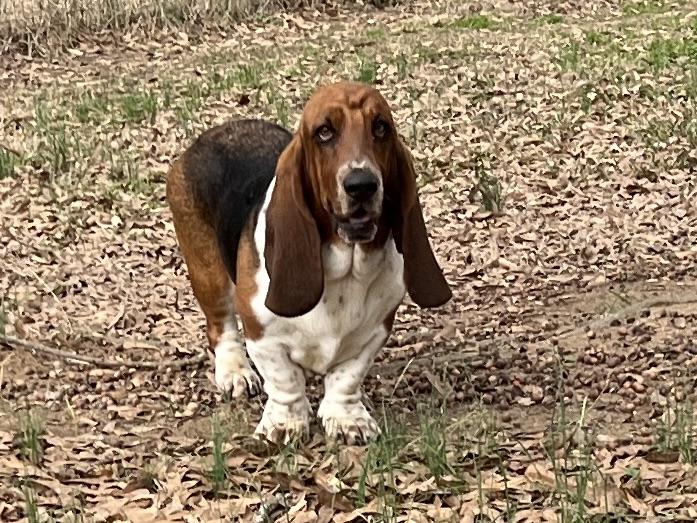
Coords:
345,176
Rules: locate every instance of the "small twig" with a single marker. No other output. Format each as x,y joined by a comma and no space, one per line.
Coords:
34,347
70,407
606,321
10,150
401,376
387,369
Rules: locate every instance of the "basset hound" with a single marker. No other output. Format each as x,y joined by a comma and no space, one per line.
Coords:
312,239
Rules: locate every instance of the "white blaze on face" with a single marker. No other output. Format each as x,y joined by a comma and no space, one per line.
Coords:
375,204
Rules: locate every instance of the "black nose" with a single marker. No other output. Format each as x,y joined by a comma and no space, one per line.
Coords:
360,184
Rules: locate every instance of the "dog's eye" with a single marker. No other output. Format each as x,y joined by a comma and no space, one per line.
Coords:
380,129
324,134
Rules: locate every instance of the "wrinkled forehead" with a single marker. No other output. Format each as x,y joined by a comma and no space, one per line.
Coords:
333,101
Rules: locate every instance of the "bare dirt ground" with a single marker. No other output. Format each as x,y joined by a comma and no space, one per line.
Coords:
556,145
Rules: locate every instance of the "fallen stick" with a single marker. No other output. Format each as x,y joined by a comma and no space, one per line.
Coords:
10,150
623,313
35,347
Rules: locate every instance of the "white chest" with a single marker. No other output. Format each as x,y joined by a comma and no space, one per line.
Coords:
362,287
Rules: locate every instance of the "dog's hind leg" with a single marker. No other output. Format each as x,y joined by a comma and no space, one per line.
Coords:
212,288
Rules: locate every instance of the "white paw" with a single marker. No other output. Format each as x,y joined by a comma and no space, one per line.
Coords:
350,423
234,374
284,423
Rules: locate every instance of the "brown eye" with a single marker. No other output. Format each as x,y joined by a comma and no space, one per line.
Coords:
324,134
380,129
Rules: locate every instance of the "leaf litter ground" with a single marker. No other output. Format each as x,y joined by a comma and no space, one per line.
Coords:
556,151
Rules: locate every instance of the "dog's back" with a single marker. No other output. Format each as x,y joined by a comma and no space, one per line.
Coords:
224,175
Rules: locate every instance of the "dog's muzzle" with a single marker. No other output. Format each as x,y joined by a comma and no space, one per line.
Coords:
361,185
359,223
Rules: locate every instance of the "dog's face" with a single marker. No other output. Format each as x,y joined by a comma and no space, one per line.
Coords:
349,139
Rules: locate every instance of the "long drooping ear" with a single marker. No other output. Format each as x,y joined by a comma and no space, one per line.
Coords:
293,248
422,275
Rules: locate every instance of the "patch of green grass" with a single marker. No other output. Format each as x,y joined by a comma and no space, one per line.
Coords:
484,428
147,477
139,106
189,104
690,129
375,34
642,7
569,57
75,511
42,117
433,441
381,462
167,94
31,508
186,118
650,92
3,317
218,471
414,139
550,19
28,439
663,52
8,163
597,38
367,71
657,132
487,188
511,510
221,82
691,83
667,22
571,468
72,511
402,63
677,431
280,106
286,460
248,76
125,170
584,465
58,145
194,95
427,53
91,107
282,113
474,22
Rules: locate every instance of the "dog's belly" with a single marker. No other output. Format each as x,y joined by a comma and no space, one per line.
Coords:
351,313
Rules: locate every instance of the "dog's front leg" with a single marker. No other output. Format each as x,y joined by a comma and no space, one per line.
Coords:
342,412
287,410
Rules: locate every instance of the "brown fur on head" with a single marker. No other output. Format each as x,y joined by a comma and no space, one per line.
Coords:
346,176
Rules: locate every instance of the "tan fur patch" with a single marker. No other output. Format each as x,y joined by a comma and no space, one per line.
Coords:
247,267
209,279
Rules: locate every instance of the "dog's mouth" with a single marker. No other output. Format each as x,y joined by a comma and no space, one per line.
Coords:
358,226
